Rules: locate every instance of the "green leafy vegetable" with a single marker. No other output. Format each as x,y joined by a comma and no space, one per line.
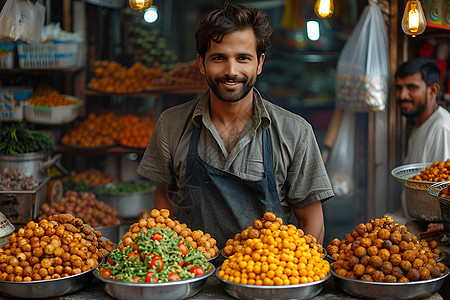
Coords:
16,138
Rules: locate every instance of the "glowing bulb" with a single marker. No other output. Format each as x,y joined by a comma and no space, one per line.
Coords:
313,30
324,8
413,21
140,5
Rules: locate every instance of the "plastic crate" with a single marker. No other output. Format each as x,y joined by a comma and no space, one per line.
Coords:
52,115
7,51
49,56
12,101
20,207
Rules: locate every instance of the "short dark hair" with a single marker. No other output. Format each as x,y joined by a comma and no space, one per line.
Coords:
215,24
426,66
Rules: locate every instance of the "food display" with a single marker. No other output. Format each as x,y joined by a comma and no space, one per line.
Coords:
156,255
15,180
136,132
445,193
278,255
384,251
269,220
86,180
160,219
47,96
16,138
57,247
112,77
183,75
438,171
84,206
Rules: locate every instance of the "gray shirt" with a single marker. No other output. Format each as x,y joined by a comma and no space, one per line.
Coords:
299,171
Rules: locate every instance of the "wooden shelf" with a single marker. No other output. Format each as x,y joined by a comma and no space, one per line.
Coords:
438,26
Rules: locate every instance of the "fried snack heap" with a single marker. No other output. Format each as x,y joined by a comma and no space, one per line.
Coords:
160,219
438,171
384,251
269,220
280,255
57,247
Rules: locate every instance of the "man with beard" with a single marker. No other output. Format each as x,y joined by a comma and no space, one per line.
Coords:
223,160
417,91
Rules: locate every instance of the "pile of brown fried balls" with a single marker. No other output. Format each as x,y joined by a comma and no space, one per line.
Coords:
57,247
384,251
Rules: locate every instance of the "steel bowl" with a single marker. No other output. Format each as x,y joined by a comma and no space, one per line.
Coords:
45,289
175,290
444,203
383,290
283,292
110,232
419,204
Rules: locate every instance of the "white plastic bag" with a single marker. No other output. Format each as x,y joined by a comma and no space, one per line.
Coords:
21,20
362,79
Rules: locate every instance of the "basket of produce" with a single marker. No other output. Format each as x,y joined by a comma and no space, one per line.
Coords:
20,195
441,191
62,113
159,264
26,150
383,260
416,179
65,253
129,198
85,206
87,180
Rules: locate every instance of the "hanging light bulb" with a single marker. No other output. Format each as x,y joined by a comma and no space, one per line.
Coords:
324,8
413,21
140,5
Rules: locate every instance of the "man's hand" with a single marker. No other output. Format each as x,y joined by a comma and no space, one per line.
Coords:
162,198
310,220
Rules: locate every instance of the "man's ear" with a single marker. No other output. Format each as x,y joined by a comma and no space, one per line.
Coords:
434,90
201,64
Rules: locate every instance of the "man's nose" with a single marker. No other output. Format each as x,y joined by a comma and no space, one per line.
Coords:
231,68
402,93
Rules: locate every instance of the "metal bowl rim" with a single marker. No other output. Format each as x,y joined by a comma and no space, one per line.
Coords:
157,284
432,188
417,282
268,287
214,257
37,282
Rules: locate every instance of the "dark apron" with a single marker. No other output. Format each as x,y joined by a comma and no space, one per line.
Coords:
221,203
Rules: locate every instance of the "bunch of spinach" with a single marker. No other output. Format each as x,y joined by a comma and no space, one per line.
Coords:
16,138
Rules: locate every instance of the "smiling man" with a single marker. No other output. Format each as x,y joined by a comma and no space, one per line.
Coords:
417,89
223,160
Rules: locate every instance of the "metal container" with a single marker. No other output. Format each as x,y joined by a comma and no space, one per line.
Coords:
110,232
419,204
129,204
31,164
384,290
434,191
283,292
174,290
22,206
46,289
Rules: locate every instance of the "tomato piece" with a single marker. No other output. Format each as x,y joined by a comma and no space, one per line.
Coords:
106,273
136,278
173,277
181,263
183,249
109,260
188,264
149,277
156,264
135,246
133,254
197,271
157,236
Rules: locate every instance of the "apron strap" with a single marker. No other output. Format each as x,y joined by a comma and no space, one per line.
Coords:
193,145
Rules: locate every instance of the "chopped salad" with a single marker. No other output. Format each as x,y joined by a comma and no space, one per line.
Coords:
155,256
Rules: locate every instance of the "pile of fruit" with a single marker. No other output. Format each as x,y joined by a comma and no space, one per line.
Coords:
109,129
112,77
57,247
86,180
184,75
279,255
84,206
384,251
160,219
45,95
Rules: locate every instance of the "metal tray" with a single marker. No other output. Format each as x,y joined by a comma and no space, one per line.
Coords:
283,292
384,290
